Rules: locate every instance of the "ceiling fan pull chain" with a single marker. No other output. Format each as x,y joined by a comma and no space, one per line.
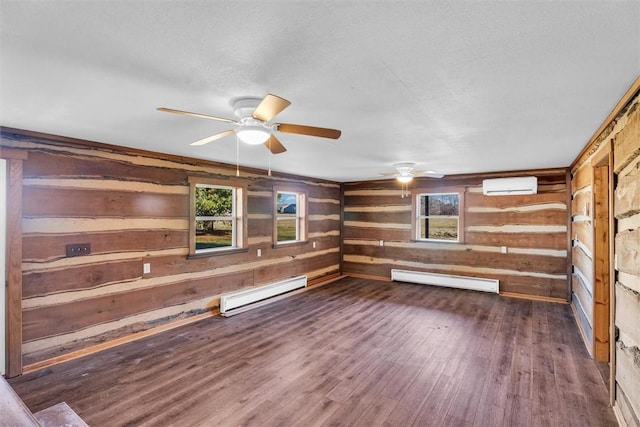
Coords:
237,156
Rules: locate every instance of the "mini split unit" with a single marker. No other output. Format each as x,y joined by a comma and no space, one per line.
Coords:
510,186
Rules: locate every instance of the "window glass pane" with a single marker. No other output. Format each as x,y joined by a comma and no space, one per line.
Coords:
214,201
287,203
439,228
214,221
287,230
437,217
214,234
287,217
443,204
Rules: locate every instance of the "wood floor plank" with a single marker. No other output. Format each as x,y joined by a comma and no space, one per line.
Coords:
356,352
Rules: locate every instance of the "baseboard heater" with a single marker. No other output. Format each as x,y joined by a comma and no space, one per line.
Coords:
239,299
461,282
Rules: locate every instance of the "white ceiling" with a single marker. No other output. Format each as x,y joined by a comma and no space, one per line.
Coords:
457,87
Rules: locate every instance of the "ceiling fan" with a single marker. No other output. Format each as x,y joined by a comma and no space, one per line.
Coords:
404,172
253,117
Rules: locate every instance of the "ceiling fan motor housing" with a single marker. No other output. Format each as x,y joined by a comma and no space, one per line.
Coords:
404,169
244,106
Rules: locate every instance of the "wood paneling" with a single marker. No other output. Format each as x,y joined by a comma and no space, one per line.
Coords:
521,203
583,232
552,240
628,192
43,164
133,208
509,261
49,247
581,203
532,227
584,264
626,143
79,277
629,380
582,291
627,251
619,133
548,217
55,319
627,309
51,202
581,178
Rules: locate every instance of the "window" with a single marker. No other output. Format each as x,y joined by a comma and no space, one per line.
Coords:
217,217
290,217
437,217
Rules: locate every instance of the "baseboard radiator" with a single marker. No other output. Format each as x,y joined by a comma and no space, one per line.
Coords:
239,299
461,282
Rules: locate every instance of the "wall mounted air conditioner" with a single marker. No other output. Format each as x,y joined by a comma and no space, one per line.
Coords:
510,186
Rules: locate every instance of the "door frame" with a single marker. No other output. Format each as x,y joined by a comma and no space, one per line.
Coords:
603,265
13,264
3,266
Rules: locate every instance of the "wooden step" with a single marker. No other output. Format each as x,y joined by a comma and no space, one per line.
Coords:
14,411
59,415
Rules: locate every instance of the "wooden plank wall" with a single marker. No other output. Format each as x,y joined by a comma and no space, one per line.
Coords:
533,228
582,251
132,207
622,132
627,249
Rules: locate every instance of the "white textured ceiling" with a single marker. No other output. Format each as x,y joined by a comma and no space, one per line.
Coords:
457,87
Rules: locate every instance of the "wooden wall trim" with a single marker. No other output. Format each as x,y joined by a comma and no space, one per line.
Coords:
533,297
14,268
628,95
12,153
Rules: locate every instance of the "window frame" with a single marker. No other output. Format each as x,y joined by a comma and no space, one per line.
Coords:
302,217
415,212
239,216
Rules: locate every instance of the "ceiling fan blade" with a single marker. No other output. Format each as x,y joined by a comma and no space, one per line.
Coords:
269,107
428,174
274,145
189,113
213,137
309,130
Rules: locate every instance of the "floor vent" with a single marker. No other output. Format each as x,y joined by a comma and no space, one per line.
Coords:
461,282
238,299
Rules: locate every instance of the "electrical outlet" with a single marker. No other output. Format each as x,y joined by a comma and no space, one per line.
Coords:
78,249
503,249
381,242
146,268
314,245
259,251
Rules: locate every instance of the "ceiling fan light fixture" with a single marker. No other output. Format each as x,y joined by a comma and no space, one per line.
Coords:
404,178
253,135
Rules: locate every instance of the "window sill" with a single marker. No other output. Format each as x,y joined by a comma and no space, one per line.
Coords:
218,253
287,244
436,241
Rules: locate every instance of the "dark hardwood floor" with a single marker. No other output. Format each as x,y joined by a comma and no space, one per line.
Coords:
355,352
